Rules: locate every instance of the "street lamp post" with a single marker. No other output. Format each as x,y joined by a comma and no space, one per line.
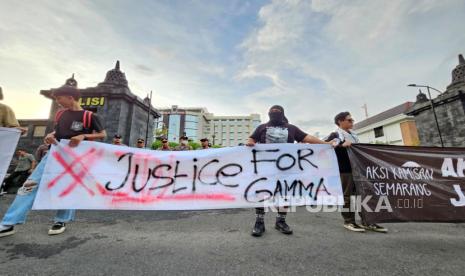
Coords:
432,107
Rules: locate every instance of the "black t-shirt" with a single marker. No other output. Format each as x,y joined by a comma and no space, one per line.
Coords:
70,124
342,155
287,133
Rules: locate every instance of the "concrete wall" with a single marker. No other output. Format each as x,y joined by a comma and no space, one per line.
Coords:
30,141
450,109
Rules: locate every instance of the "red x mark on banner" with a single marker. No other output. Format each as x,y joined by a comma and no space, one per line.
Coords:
85,160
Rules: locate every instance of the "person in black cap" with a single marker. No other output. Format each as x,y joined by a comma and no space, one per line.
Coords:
73,123
278,130
204,143
184,144
117,140
140,143
165,146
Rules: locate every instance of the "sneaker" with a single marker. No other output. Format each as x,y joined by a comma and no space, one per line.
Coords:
282,227
259,228
6,230
353,227
57,228
374,228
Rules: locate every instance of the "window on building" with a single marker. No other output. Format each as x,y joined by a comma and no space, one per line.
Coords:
191,125
379,132
192,118
191,133
39,131
174,126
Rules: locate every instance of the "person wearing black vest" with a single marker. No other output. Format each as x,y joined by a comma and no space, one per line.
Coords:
277,130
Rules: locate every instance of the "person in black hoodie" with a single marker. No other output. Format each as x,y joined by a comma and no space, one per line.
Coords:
277,130
346,137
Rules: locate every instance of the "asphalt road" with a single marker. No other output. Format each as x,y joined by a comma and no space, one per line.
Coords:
219,243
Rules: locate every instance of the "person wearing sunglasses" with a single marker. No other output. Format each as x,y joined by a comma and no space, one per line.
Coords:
140,143
346,138
165,146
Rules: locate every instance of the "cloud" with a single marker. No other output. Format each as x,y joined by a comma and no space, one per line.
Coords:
315,58
337,55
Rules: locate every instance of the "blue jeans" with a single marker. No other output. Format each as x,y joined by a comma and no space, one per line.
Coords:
22,204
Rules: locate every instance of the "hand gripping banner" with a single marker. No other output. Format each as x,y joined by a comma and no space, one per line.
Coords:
423,184
102,176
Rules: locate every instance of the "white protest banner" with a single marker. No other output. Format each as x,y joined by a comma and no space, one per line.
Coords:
9,138
102,176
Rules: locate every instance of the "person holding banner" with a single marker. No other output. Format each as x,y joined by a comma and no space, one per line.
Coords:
71,123
346,137
278,130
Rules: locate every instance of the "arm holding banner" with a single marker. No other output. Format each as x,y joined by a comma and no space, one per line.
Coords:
309,139
74,141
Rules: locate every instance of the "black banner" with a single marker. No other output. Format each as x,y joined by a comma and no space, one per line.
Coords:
400,184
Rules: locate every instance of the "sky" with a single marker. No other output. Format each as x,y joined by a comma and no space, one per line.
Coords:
235,57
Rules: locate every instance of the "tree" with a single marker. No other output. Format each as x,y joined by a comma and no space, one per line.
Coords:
156,144
194,145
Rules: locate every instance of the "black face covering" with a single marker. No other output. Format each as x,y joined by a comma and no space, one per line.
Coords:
277,118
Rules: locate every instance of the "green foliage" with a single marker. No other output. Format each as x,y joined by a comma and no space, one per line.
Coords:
194,145
156,144
173,144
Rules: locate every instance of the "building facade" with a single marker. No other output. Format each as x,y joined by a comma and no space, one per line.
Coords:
197,123
35,135
392,127
176,122
450,110
122,112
